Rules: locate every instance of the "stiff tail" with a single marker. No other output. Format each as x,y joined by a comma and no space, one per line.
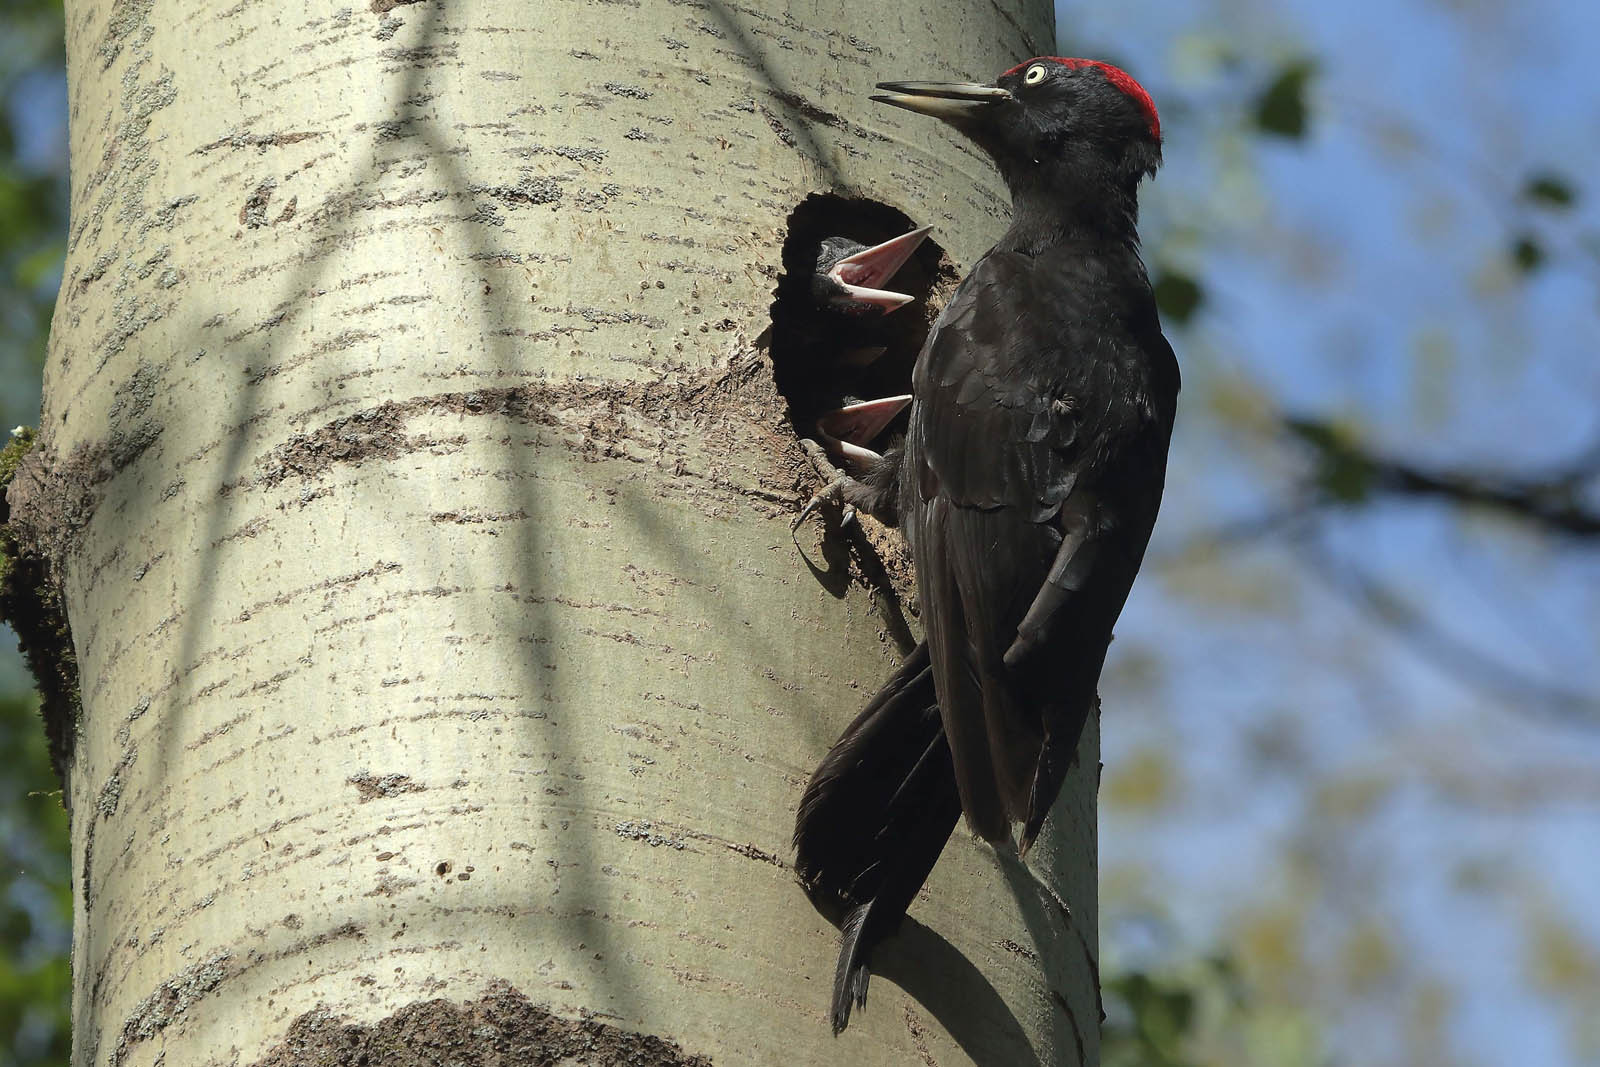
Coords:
851,974
873,821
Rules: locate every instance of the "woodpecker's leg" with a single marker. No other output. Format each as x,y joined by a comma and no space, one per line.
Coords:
831,493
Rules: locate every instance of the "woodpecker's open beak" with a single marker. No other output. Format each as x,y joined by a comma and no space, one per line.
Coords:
956,102
848,431
864,274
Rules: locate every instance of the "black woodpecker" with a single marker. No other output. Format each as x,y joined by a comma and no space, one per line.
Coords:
1026,486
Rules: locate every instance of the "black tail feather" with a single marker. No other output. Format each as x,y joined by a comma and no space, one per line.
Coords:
851,975
874,820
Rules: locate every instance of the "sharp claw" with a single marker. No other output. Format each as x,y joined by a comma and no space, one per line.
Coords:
833,492
812,507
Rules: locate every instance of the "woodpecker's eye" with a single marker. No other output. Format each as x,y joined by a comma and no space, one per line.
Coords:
1035,74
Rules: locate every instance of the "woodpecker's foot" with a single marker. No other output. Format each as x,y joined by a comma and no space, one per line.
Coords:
856,281
832,493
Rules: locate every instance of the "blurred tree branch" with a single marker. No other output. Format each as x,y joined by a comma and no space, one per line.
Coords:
1348,472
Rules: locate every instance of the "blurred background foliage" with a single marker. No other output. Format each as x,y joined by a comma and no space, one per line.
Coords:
1349,807
35,899
1352,730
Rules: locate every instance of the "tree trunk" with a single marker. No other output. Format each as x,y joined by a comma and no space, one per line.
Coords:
416,482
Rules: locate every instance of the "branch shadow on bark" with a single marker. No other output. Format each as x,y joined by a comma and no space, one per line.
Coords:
613,995
199,602
940,977
1054,933
800,114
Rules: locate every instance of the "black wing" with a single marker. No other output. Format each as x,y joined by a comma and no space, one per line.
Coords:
1034,463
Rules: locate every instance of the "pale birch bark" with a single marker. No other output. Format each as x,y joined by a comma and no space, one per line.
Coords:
421,501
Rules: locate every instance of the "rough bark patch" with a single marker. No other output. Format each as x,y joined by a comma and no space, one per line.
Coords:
175,996
52,499
604,414
504,1029
126,17
254,212
170,1000
374,787
259,141
1019,950
919,1034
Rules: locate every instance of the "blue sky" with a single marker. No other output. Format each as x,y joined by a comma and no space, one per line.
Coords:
1361,274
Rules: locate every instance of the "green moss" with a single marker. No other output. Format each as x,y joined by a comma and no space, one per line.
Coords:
31,605
20,444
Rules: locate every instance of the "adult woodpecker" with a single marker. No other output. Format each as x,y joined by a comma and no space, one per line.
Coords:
1027,487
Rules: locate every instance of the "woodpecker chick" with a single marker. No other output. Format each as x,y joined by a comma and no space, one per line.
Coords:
847,289
1027,487
851,277
847,431
846,435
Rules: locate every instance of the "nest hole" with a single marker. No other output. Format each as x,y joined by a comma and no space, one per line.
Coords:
819,354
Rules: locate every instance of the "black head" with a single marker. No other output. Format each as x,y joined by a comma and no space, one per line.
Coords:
1054,126
1060,103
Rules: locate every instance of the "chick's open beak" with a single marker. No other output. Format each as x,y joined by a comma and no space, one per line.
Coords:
864,274
849,431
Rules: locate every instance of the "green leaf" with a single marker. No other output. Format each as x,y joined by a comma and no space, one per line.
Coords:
1527,253
1549,190
1155,1017
1178,296
40,266
1281,108
1343,470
